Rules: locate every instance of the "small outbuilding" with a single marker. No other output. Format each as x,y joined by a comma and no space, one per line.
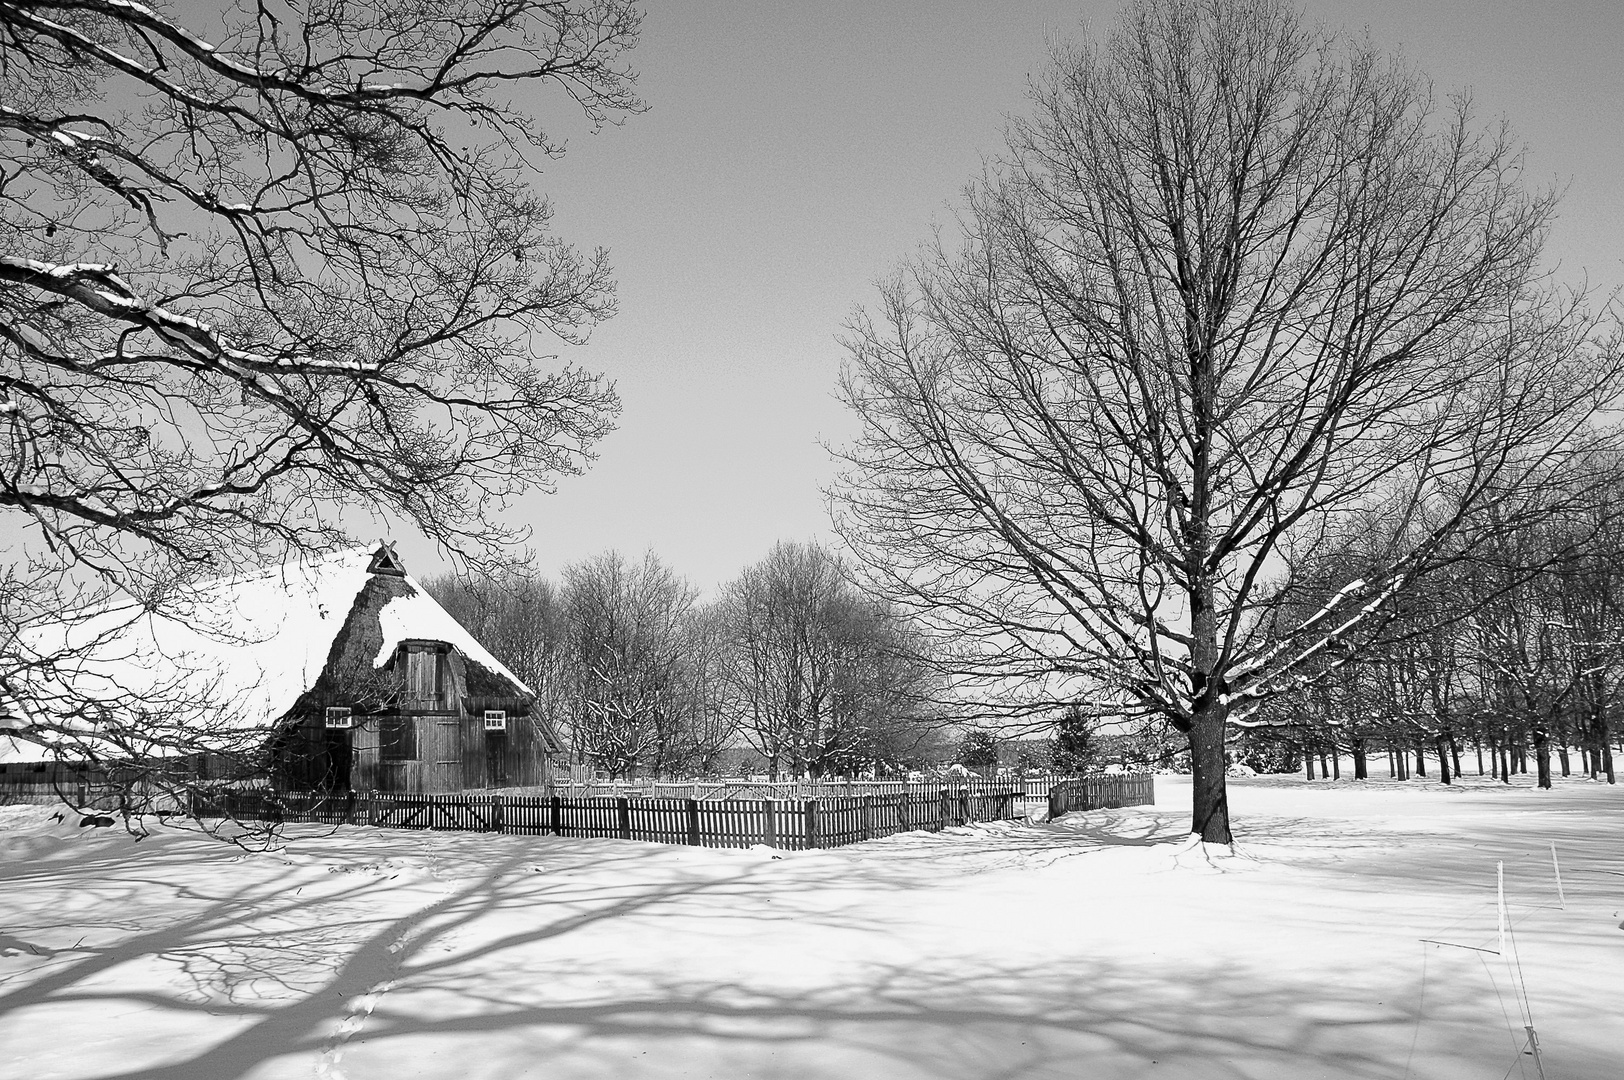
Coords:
339,674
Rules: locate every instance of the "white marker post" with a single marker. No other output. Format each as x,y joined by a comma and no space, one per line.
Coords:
1500,906
1561,899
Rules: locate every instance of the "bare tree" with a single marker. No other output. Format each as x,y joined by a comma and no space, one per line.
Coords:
823,679
713,724
624,679
268,269
620,656
1590,599
1236,287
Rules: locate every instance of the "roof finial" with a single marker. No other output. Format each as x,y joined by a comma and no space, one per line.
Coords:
385,561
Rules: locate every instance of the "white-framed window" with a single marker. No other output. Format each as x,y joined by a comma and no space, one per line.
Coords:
495,719
338,716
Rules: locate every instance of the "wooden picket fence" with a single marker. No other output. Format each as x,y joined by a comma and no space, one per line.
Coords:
1099,792
721,788
791,824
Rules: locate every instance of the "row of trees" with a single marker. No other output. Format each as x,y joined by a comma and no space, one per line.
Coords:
790,660
1517,647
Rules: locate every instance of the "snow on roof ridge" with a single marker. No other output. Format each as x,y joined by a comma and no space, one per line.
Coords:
451,631
196,591
270,569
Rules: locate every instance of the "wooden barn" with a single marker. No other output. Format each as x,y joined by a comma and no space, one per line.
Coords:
334,674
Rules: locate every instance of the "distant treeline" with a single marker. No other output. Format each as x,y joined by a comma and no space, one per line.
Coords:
791,660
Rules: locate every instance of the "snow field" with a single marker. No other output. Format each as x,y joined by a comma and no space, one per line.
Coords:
1104,945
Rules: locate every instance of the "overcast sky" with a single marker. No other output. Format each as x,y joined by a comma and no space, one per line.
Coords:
793,152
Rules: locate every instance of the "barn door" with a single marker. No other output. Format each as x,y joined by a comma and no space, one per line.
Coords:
336,744
496,759
445,767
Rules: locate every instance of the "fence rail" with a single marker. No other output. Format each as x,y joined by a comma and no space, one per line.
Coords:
1100,792
791,824
746,788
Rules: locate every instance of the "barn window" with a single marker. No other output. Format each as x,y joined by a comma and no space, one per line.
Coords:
339,717
397,739
495,719
424,671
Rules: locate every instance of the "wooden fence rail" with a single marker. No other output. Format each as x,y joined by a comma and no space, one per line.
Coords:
1099,792
744,788
791,824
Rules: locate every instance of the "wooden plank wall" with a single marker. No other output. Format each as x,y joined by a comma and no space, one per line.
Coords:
1100,792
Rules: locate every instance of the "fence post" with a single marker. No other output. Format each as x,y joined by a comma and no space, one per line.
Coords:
372,808
496,813
811,811
770,832
868,816
623,810
556,813
941,810
693,822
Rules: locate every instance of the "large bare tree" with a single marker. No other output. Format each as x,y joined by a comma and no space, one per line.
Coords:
1238,285
269,271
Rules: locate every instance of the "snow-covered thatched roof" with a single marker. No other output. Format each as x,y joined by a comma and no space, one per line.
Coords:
220,665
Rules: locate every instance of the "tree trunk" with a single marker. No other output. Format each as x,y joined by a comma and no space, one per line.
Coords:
1562,754
1480,757
1421,756
1443,758
1601,748
1360,772
1392,765
1454,752
1505,764
1336,763
1308,762
1542,757
1211,795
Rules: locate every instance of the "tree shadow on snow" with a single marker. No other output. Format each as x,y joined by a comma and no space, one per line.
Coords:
508,954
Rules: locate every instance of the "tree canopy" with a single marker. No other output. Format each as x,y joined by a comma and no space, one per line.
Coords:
271,272
1238,288
288,261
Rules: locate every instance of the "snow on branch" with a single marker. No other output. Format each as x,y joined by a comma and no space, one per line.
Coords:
99,287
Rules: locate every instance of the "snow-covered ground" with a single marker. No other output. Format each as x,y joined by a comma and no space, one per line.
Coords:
1099,946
